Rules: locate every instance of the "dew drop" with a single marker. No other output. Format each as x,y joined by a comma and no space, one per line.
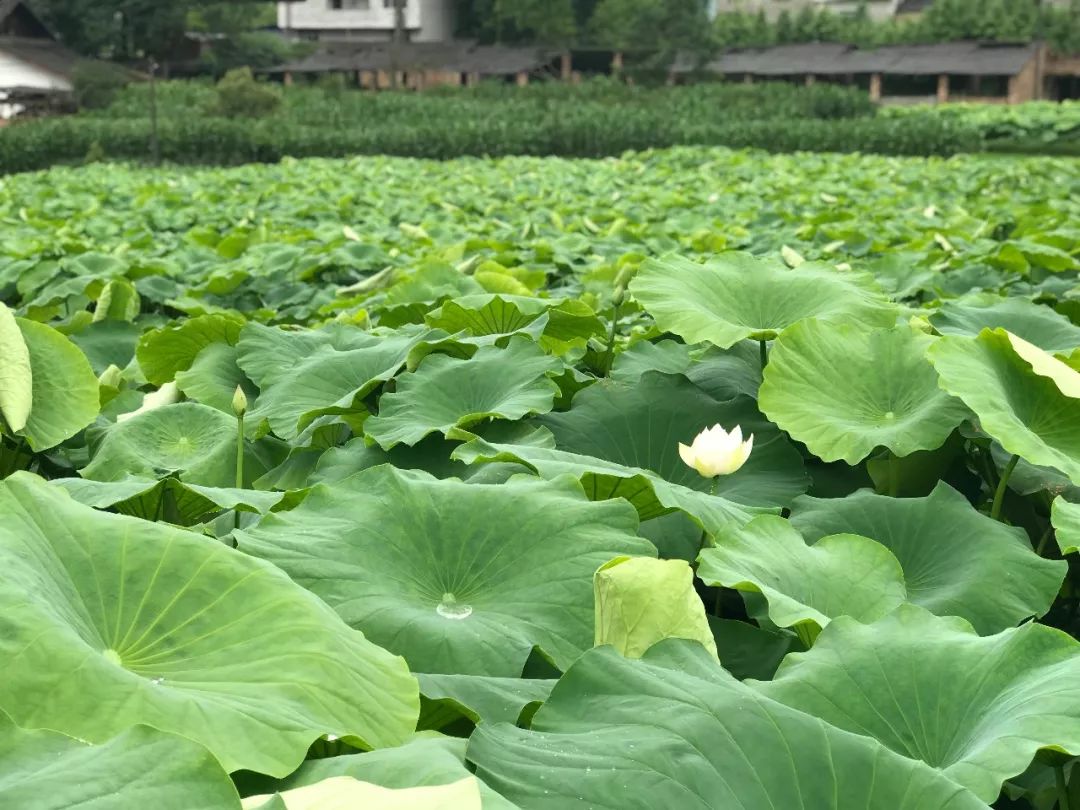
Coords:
157,681
450,608
332,738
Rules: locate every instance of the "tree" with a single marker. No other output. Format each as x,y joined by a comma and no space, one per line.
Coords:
785,30
660,26
122,29
548,22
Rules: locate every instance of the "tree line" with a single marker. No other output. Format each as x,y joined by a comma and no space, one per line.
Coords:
127,30
668,25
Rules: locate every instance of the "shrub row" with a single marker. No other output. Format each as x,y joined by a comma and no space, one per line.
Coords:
217,141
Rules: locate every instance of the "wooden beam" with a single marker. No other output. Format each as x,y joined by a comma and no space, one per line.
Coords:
943,88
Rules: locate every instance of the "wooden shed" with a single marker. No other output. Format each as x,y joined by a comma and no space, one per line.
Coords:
970,71
418,65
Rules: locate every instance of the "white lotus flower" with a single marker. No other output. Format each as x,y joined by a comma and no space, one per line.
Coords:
717,452
166,395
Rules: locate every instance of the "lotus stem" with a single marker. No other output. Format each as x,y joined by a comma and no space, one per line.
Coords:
1062,788
763,353
239,465
609,356
999,495
1041,547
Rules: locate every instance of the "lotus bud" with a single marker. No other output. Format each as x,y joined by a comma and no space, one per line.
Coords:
239,402
716,452
112,377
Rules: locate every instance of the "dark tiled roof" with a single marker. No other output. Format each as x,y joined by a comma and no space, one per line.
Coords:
913,6
463,57
959,58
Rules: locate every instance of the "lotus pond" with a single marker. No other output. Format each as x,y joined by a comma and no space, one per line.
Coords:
375,483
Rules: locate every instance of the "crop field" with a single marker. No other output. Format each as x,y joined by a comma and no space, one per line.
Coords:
690,478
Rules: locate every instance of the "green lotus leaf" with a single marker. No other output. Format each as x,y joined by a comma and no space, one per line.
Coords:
641,601
163,352
458,578
640,425
141,767
345,793
66,396
1065,517
303,375
16,378
806,586
1064,376
956,561
196,441
667,356
563,323
647,492
108,621
845,391
486,699
108,343
423,761
749,651
1040,325
214,376
728,373
675,730
447,392
1025,411
736,296
167,499
119,301
976,708
432,455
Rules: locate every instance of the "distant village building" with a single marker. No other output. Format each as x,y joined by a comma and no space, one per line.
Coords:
1004,73
366,20
34,67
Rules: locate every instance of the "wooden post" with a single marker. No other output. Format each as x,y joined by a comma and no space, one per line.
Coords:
472,79
617,63
748,78
522,78
943,88
566,66
286,79
875,87
810,79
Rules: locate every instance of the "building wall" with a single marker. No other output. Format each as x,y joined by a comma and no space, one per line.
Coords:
15,72
1027,84
878,9
428,20
436,21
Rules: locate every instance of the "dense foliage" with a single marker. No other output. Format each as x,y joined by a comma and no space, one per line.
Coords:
665,26
298,460
596,119
943,21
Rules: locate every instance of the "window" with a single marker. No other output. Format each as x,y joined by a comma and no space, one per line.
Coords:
349,5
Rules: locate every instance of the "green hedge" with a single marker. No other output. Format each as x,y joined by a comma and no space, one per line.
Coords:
218,141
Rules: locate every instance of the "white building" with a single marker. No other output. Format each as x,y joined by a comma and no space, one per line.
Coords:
366,20
32,62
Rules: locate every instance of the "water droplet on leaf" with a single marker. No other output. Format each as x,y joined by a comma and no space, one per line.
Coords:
450,608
